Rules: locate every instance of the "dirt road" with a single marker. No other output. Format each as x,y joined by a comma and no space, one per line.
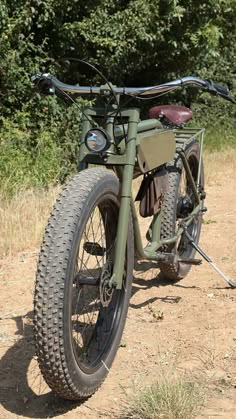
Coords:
189,326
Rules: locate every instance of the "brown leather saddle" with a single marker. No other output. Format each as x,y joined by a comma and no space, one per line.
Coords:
174,113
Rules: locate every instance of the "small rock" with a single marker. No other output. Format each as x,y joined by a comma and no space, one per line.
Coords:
122,344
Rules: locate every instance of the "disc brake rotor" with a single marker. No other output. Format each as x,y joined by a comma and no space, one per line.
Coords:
106,291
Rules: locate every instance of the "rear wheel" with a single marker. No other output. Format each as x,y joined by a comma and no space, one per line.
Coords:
178,204
79,318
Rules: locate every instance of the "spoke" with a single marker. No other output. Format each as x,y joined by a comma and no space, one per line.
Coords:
86,236
102,236
98,264
86,324
90,270
91,224
90,219
78,296
81,258
87,269
91,322
94,308
95,236
76,311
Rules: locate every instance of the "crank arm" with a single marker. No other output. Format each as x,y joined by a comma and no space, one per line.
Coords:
208,259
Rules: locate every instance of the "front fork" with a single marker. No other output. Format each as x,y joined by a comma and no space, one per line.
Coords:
126,177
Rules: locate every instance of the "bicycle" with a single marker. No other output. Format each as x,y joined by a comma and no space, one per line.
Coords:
85,267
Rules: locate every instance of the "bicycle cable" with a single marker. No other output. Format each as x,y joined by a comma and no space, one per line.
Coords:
119,106
118,110
75,103
152,97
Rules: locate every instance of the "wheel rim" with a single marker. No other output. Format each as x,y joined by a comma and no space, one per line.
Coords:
96,308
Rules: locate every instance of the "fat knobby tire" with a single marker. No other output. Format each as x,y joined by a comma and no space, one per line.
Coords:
51,324
176,271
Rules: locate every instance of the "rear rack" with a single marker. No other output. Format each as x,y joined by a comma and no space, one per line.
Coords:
184,136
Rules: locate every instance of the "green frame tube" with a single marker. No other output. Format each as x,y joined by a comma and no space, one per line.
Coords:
125,198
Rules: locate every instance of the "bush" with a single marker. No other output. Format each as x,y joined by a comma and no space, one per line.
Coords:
134,42
38,157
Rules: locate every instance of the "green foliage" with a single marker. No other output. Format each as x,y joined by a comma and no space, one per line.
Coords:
134,42
21,165
219,119
38,154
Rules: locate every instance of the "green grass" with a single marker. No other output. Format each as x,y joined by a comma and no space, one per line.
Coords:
34,157
217,139
218,117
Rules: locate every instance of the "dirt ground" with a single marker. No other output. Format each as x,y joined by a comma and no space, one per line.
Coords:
188,326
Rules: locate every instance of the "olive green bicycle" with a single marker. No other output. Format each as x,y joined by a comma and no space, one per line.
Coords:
85,267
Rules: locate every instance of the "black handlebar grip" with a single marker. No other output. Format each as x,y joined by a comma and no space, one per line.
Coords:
43,84
219,88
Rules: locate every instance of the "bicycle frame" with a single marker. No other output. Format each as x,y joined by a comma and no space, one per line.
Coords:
80,296
122,159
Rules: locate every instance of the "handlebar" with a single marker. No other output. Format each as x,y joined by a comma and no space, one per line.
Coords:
48,84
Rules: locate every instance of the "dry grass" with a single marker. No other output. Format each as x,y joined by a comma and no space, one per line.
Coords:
167,398
219,165
174,393
23,219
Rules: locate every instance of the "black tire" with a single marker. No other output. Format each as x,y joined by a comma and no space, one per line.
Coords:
171,213
76,335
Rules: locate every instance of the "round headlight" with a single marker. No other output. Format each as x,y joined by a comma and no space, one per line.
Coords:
97,140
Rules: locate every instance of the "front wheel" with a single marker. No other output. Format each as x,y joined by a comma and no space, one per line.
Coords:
178,204
78,318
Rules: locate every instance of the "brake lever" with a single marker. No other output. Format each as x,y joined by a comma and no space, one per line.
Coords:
219,90
229,98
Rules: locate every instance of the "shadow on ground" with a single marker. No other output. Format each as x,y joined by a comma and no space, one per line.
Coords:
146,277
22,389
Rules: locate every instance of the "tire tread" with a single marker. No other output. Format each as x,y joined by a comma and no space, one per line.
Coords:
50,277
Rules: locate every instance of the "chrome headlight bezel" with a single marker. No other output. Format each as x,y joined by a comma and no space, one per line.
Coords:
91,142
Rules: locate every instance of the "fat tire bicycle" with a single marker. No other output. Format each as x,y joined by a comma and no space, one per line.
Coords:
85,269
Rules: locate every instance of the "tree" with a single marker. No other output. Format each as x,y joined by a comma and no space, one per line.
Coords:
133,42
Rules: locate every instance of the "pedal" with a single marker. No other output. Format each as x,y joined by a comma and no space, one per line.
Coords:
94,249
190,261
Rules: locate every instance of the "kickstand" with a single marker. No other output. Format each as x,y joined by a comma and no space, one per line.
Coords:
200,251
